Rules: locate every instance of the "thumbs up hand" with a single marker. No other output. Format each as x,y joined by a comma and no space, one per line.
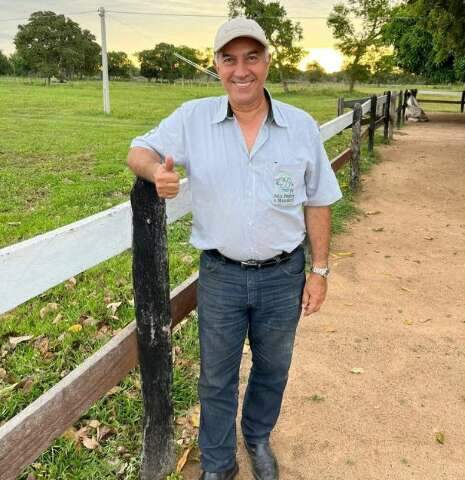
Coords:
166,179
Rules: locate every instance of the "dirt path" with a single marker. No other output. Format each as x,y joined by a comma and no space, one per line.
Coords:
396,309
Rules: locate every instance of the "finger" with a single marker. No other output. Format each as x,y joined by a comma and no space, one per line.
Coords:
169,163
305,298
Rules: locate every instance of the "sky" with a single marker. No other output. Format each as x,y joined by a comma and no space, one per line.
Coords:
133,25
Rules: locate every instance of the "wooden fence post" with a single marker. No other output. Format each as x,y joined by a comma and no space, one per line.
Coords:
404,105
392,114
372,127
340,106
399,108
356,141
462,102
153,320
387,117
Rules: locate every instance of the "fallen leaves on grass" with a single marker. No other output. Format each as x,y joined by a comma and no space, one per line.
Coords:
114,306
57,319
183,460
71,282
17,340
90,443
42,344
26,384
75,328
2,373
87,321
6,390
50,307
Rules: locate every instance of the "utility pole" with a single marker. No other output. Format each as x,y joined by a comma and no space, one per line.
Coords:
106,84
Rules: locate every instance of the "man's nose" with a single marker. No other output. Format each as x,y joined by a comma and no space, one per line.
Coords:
241,69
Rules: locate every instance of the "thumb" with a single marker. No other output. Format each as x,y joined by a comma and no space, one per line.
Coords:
169,163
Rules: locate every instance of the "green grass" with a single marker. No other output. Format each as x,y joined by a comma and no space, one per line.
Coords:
62,159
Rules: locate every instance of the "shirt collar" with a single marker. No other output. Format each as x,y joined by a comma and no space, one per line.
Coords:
224,111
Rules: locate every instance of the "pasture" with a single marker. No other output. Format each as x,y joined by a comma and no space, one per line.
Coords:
62,159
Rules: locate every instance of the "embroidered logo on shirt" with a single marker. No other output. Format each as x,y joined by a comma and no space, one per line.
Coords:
283,190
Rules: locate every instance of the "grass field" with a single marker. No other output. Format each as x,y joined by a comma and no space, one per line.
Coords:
62,159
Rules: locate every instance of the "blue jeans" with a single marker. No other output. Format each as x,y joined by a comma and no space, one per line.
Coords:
233,302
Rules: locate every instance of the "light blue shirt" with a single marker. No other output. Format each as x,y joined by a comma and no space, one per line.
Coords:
247,205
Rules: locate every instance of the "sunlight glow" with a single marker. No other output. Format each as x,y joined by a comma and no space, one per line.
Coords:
329,58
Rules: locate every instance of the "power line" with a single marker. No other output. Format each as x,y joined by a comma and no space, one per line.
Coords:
42,16
204,15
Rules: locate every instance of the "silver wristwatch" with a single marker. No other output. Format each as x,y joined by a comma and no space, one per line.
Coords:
323,271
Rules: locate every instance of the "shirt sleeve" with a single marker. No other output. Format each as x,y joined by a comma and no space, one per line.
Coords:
321,182
166,139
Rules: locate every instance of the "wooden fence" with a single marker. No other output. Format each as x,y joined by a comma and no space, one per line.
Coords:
33,266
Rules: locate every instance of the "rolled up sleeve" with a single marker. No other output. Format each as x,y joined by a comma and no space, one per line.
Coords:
321,182
166,139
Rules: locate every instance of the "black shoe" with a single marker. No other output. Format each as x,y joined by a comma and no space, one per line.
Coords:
263,460
226,475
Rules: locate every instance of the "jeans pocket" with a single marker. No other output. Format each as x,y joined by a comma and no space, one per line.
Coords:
295,267
209,263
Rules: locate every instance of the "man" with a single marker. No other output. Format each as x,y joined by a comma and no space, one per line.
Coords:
252,163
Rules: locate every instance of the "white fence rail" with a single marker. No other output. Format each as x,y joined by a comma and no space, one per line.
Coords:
439,93
31,267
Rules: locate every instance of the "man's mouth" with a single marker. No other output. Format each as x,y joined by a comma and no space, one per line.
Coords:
242,83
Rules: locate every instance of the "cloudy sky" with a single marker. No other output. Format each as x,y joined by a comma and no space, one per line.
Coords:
133,25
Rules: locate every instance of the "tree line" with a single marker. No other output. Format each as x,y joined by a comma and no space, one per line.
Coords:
420,40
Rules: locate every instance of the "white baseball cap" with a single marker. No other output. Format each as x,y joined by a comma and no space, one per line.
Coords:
239,27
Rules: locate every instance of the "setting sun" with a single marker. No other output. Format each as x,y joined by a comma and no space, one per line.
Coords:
329,58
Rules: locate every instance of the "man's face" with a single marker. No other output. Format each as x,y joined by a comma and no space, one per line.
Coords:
242,65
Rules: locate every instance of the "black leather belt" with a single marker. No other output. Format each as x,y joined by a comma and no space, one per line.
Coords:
269,262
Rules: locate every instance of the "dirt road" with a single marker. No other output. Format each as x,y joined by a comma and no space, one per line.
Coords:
396,314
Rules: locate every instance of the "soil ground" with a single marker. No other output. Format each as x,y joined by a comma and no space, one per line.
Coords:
396,313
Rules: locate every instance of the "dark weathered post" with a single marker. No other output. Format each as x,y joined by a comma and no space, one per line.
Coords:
462,102
404,106
152,302
392,114
387,116
356,141
372,127
340,106
399,108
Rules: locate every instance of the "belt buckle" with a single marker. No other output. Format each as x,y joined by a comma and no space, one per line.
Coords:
250,263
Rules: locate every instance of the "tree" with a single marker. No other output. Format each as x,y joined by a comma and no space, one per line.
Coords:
357,26
5,65
314,72
280,31
18,65
162,63
428,38
53,45
119,65
184,69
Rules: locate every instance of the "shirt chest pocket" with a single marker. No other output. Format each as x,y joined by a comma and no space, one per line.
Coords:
288,184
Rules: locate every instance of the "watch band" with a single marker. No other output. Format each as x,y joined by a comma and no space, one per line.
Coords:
322,271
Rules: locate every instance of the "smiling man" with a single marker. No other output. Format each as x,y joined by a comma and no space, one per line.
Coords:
260,182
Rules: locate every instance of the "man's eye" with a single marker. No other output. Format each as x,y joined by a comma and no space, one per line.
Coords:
227,61
252,58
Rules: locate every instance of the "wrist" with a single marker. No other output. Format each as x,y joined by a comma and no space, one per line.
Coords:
322,271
